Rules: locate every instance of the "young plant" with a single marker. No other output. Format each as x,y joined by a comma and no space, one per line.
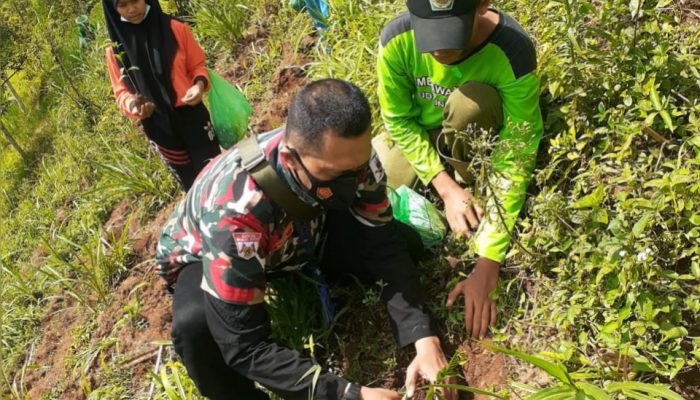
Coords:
221,22
433,391
173,383
126,173
570,388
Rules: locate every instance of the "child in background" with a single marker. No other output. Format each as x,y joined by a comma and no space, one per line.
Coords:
158,77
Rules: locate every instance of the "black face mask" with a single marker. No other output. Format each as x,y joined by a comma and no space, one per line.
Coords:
334,194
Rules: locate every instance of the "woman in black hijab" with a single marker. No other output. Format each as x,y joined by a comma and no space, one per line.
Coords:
158,76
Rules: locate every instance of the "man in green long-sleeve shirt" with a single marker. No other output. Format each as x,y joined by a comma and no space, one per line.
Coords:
449,69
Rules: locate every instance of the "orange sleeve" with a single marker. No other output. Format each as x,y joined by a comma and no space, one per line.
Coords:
121,92
194,56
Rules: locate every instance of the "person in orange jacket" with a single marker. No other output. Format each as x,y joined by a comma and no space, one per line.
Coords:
158,77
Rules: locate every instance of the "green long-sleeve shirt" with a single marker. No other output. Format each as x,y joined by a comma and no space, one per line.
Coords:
413,89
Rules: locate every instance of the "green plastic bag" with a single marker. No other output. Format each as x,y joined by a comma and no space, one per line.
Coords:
229,111
420,214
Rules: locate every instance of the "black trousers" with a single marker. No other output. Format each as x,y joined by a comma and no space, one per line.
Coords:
183,141
201,355
196,347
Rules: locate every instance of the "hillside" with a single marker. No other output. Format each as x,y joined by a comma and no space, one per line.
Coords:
603,278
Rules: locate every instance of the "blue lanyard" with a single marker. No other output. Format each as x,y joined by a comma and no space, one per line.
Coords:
306,242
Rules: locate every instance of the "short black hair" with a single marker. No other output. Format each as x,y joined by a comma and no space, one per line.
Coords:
328,105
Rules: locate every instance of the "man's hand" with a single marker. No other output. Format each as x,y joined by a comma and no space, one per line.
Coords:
378,394
194,94
479,309
428,362
141,108
463,214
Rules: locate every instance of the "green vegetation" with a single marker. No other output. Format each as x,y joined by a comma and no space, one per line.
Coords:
603,282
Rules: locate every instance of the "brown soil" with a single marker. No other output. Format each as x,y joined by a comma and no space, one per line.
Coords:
690,11
116,223
238,70
289,77
46,365
146,238
48,369
136,337
269,112
687,383
484,368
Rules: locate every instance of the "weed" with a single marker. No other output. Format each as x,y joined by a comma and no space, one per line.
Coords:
222,23
174,383
126,173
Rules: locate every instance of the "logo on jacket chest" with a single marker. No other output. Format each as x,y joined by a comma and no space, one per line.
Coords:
438,94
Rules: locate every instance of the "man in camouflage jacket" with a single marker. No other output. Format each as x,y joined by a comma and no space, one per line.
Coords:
228,238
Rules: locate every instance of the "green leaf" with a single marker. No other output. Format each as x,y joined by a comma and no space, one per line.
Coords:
469,389
695,140
654,95
561,392
640,225
656,390
634,7
524,387
571,34
695,219
552,369
667,120
600,216
673,333
554,87
593,391
695,269
167,386
315,370
592,200
610,327
631,394
642,366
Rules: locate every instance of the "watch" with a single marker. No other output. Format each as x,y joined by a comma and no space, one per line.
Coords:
352,392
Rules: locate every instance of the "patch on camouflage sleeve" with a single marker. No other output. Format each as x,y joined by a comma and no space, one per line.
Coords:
247,244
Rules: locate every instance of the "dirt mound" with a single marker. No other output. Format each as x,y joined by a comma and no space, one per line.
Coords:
484,368
270,111
143,238
238,70
287,80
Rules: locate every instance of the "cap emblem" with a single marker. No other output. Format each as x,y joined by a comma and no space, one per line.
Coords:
442,5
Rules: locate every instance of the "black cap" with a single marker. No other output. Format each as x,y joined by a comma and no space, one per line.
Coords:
442,24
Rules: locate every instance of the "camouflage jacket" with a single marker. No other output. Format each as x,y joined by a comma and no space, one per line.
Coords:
241,236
